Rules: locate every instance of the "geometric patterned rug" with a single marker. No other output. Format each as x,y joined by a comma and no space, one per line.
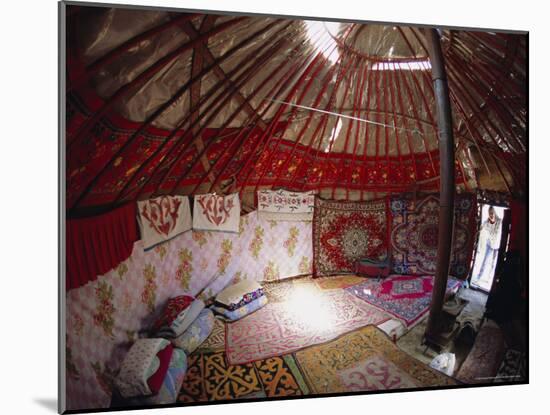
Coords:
307,318
405,297
364,360
211,378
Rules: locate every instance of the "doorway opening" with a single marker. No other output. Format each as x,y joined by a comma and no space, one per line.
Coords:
488,246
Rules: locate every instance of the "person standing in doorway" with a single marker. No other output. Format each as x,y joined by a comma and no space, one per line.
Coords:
491,234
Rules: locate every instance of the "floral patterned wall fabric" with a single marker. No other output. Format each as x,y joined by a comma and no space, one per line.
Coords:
105,316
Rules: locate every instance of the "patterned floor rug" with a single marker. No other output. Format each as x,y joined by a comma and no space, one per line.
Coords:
405,297
338,281
364,360
307,318
211,378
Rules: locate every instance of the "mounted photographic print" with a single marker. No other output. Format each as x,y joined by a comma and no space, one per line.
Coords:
262,208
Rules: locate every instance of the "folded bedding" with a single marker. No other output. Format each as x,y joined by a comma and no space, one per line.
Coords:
175,307
157,371
171,384
196,333
238,295
182,321
232,315
144,367
245,299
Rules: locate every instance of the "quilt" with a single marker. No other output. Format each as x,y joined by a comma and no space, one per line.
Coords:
364,360
162,219
307,318
344,232
405,297
286,206
213,212
414,234
170,388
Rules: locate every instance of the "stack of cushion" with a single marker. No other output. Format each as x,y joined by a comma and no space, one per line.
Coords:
180,312
196,333
185,322
239,300
144,368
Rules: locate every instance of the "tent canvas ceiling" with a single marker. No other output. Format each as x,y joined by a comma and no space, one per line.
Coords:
161,102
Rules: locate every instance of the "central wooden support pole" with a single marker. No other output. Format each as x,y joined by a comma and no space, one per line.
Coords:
446,185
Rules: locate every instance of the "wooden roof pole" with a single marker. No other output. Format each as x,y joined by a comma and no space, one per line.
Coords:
465,90
180,147
325,82
150,119
342,162
145,75
325,164
407,132
365,75
317,63
377,163
249,73
304,66
341,75
446,184
239,139
314,152
364,171
275,92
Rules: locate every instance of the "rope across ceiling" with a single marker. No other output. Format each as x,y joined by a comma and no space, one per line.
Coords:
176,103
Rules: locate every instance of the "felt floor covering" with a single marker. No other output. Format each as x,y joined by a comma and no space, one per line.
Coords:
359,358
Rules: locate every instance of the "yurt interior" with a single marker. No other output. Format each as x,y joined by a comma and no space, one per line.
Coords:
260,207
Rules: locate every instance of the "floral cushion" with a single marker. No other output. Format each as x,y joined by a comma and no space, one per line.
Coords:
196,333
245,310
